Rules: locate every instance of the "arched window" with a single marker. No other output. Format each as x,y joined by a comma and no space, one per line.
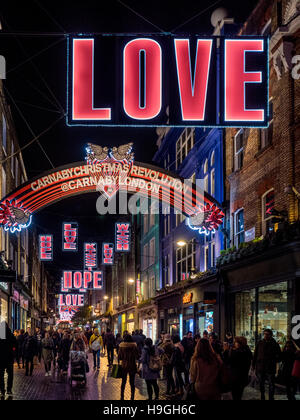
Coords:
205,169
212,159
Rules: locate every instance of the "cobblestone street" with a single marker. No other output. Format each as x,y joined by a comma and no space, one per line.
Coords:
99,386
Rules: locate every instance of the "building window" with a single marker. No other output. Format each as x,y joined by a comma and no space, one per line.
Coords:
205,167
206,257
238,150
212,182
17,170
145,256
153,212
185,260
193,178
213,254
145,223
212,159
184,145
239,234
266,134
268,202
166,270
12,159
3,184
4,134
152,252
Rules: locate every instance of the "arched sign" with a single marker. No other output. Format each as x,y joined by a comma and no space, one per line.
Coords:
108,171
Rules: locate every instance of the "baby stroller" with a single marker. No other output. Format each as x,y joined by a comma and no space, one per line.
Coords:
78,367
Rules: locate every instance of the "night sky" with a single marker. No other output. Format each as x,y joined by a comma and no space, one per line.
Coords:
36,88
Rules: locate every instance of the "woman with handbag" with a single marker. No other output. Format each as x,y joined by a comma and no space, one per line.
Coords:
151,366
128,354
205,372
96,344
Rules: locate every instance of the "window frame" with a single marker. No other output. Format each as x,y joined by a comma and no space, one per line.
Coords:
182,149
238,165
237,234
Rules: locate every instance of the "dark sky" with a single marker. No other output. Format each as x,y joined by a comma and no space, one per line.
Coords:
36,82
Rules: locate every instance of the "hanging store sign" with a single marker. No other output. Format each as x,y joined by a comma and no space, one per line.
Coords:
187,298
82,281
46,247
90,256
70,236
167,81
122,237
108,254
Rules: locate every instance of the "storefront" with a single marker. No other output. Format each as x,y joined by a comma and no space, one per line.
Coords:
169,311
262,293
130,322
15,310
148,321
24,307
260,308
4,302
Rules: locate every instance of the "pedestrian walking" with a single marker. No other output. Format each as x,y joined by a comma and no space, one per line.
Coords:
110,343
30,351
289,355
179,365
151,366
229,338
56,344
47,353
39,337
238,358
188,345
20,349
96,344
266,356
216,343
206,368
167,360
64,353
119,340
138,339
7,350
128,355
160,340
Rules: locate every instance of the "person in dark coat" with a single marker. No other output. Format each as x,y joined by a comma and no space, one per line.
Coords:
119,340
216,343
148,373
64,353
20,341
266,356
238,358
138,339
167,359
188,345
7,349
56,344
128,355
289,355
179,365
110,343
30,350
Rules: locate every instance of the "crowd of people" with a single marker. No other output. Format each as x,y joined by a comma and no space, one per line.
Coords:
195,367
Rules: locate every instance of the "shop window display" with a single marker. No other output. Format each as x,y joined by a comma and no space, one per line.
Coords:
245,316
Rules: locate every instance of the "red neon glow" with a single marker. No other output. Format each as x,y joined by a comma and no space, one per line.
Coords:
236,78
71,300
193,93
153,79
108,254
82,281
83,83
46,247
90,255
70,236
123,236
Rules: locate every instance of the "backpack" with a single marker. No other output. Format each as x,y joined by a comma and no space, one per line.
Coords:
155,363
96,344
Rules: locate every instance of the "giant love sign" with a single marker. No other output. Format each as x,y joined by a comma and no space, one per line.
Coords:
168,81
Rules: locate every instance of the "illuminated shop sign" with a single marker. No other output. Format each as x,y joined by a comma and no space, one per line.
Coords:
187,298
46,247
122,237
108,254
82,281
90,256
184,74
71,300
70,236
66,313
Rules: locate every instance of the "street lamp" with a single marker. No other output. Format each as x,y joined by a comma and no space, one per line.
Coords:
105,297
131,281
181,243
